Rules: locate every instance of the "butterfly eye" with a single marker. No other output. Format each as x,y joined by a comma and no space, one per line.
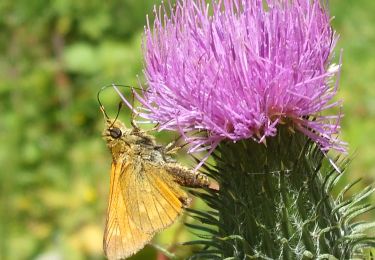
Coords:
115,132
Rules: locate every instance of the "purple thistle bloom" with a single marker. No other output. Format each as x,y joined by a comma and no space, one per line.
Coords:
238,69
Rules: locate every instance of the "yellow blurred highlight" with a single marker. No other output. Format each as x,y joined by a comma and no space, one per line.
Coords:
87,239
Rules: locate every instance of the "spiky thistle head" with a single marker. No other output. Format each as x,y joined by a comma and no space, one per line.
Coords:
239,68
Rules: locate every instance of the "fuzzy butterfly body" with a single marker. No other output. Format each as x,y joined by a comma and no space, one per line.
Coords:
145,189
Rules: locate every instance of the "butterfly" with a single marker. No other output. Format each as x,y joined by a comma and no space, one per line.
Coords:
145,189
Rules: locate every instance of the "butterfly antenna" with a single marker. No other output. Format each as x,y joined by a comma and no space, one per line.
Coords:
100,103
118,113
127,86
120,104
133,114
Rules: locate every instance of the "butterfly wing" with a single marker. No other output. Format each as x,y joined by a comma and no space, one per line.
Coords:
122,237
154,199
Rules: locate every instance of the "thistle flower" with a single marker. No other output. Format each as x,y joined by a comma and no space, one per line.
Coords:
240,69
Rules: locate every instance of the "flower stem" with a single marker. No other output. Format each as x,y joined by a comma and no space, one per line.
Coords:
275,203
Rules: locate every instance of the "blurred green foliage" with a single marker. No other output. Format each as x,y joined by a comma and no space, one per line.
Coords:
55,55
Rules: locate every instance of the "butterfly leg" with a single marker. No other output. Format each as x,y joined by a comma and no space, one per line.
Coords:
133,123
133,113
187,177
173,148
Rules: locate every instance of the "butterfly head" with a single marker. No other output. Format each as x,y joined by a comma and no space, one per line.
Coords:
121,139
116,136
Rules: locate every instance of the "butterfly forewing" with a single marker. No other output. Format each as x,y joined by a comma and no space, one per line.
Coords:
122,237
154,201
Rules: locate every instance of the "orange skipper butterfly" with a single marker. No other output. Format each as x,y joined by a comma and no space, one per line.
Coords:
145,188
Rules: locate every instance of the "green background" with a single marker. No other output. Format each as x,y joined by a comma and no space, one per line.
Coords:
55,55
